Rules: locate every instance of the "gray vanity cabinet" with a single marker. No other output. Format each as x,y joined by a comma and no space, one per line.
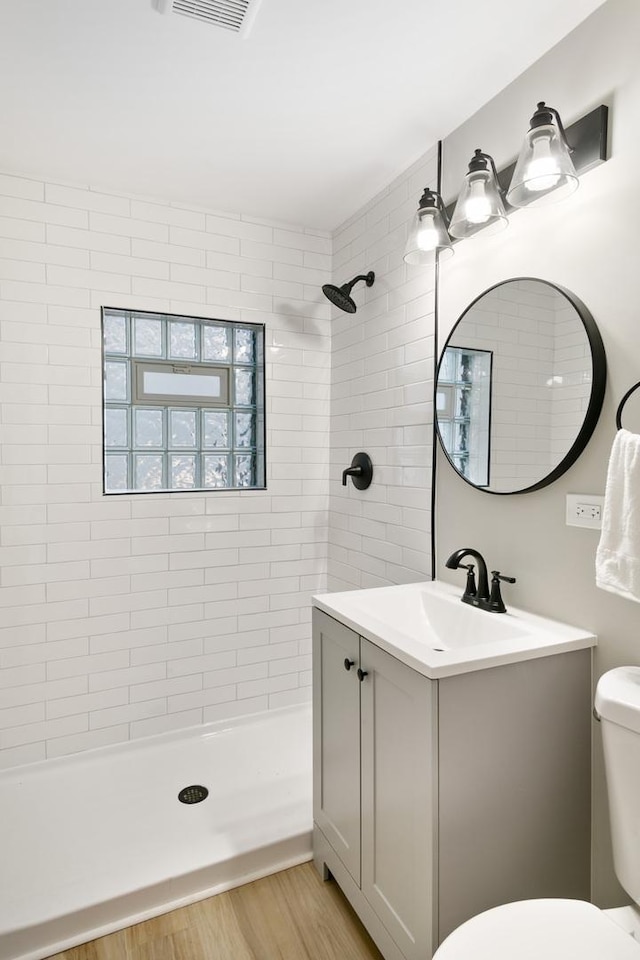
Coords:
435,799
397,723
336,719
374,750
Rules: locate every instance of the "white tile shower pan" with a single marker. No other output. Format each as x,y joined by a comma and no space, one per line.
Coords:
97,841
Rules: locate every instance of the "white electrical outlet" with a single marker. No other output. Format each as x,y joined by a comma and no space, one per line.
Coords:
584,510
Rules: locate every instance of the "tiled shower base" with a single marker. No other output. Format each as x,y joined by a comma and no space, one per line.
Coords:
97,841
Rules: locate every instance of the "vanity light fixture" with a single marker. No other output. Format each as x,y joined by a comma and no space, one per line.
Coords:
544,171
479,206
428,234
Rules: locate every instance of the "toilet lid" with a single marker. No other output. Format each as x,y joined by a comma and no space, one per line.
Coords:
540,930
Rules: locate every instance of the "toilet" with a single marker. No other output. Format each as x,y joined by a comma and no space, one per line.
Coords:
558,929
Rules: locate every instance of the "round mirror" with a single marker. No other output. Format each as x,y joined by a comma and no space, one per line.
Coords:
519,386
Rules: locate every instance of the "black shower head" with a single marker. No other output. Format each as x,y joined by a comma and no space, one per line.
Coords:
340,296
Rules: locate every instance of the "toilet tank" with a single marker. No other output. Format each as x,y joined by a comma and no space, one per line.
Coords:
617,702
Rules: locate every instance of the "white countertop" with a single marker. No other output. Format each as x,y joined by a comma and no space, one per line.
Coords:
427,627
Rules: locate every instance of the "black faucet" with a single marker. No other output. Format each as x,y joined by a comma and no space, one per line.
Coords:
479,596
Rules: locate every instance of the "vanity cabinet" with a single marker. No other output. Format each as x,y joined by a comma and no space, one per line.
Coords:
435,799
374,747
336,736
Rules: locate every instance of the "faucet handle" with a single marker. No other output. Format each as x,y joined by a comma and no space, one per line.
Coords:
496,602
470,590
496,575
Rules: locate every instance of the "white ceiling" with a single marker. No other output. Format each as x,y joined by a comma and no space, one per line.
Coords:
320,106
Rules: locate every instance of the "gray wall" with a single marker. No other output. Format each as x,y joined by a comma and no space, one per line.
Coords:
589,244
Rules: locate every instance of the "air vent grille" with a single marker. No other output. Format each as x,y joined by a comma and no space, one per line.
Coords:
230,14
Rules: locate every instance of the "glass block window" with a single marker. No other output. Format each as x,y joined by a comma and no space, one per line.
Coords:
183,402
463,410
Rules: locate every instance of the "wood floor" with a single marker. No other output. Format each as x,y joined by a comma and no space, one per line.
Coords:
292,915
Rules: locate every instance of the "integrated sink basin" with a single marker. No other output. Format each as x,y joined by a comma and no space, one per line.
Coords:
426,626
433,616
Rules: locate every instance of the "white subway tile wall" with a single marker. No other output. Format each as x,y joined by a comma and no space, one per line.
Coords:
123,617
127,617
382,395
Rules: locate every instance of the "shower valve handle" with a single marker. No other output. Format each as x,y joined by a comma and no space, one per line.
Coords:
351,472
360,471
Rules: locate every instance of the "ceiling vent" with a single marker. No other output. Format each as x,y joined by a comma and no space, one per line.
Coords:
235,15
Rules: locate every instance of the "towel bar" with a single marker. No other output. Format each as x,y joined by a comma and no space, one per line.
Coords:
622,403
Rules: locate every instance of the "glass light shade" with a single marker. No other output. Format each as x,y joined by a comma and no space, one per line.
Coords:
479,208
428,234
544,172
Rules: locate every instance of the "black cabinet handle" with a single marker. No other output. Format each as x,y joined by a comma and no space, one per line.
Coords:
362,674
348,663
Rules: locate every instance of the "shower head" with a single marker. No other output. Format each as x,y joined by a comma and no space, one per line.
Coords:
341,296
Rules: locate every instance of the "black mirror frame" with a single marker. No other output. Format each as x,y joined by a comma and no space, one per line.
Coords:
594,408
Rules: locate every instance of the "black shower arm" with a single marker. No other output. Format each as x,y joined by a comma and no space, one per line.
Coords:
367,277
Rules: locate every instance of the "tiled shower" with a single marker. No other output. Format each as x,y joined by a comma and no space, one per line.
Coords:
126,616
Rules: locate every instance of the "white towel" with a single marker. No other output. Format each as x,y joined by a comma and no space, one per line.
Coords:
618,553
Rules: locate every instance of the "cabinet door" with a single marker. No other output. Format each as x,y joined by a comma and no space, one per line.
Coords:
336,738
398,799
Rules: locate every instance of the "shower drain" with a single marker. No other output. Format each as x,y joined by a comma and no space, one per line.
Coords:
193,794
